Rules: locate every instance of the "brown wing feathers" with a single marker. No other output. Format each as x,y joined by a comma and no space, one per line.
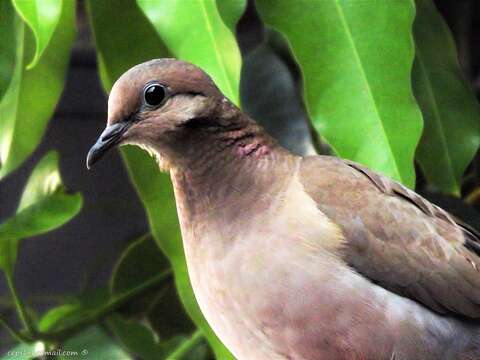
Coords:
396,238
472,236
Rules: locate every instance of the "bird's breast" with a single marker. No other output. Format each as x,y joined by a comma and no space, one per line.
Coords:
271,286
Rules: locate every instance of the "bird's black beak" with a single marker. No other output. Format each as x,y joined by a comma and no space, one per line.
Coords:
110,137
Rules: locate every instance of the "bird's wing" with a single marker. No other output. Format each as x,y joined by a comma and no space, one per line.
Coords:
396,238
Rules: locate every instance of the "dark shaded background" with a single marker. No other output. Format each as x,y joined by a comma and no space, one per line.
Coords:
82,253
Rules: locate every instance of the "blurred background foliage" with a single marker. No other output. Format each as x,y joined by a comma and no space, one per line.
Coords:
390,84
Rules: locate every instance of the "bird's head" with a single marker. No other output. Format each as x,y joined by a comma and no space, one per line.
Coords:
154,104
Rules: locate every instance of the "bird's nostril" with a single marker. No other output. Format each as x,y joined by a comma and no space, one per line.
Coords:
113,131
109,138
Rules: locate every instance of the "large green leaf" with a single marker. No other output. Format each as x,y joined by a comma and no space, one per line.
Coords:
194,31
32,95
8,38
44,206
452,122
137,44
42,16
356,59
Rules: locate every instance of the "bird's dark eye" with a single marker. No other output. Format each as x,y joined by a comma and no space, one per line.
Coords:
154,94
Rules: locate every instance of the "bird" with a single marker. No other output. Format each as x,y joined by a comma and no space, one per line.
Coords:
295,257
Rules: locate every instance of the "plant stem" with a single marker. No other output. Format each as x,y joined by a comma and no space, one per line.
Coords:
25,319
16,335
60,334
186,346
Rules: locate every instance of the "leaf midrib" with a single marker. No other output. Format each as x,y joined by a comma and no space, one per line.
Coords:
431,94
436,116
367,85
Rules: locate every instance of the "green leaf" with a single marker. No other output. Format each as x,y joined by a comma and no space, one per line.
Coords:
42,16
356,58
140,261
231,11
93,344
44,180
194,31
58,315
138,44
451,112
74,310
92,307
8,38
44,216
31,97
139,340
136,337
45,206
160,310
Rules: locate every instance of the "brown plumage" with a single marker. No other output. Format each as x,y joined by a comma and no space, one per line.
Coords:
298,258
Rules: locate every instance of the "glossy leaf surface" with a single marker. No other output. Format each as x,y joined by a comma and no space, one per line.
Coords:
30,99
74,310
8,38
45,206
209,43
356,58
42,16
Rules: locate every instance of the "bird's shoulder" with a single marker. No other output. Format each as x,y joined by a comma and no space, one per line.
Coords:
397,238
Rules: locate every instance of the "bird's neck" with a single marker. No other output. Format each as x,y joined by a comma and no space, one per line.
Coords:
228,171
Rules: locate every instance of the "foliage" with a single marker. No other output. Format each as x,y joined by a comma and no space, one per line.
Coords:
374,81
31,95
450,110
363,38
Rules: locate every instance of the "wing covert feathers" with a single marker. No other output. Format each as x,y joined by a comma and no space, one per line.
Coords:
396,238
